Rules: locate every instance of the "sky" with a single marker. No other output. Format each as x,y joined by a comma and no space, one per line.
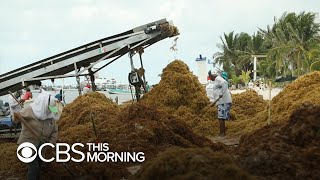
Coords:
32,30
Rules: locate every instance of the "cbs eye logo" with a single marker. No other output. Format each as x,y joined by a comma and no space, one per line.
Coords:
26,152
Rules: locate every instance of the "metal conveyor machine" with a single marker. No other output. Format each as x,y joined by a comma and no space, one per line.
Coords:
86,56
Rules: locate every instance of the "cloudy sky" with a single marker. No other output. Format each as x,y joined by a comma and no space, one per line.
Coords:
32,30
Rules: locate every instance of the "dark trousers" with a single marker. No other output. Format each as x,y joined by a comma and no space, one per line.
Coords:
34,168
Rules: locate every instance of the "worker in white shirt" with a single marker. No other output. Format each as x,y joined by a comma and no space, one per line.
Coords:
224,102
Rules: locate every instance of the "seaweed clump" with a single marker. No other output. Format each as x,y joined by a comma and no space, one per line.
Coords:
191,163
289,150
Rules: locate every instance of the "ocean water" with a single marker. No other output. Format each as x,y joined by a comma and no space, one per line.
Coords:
70,95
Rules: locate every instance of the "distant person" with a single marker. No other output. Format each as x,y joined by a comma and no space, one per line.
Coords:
258,84
59,96
224,75
262,86
147,87
4,111
87,89
27,95
224,102
13,104
116,100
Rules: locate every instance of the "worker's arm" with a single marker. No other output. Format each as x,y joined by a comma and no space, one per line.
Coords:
54,135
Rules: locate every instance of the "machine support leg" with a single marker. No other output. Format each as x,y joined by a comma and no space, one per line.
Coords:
78,85
144,77
131,61
77,78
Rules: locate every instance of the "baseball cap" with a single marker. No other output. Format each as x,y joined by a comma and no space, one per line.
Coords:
213,73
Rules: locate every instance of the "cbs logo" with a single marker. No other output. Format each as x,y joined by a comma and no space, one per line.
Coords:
27,154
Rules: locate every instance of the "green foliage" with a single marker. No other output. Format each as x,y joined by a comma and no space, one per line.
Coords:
292,46
237,51
245,76
235,79
315,66
293,36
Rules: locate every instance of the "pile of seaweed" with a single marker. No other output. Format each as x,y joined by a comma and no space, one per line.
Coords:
148,129
288,150
137,127
87,107
84,170
191,163
248,104
88,118
10,165
305,89
133,128
178,87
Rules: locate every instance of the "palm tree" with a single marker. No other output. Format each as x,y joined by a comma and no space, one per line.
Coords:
267,67
292,37
228,57
314,58
236,52
256,46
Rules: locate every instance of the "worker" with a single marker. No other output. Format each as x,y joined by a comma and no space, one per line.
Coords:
27,95
13,104
224,74
59,96
41,127
224,98
116,99
147,87
87,89
4,111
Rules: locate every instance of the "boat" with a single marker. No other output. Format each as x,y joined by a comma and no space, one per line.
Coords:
100,82
119,91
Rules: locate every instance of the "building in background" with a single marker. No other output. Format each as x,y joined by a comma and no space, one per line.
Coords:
202,69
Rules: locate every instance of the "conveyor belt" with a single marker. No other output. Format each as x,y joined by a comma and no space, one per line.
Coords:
63,63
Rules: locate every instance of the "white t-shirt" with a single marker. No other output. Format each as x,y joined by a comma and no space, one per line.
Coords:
219,87
213,91
86,90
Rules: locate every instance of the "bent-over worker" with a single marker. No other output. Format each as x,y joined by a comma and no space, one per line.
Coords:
41,116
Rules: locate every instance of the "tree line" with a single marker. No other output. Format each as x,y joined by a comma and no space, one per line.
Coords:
291,46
